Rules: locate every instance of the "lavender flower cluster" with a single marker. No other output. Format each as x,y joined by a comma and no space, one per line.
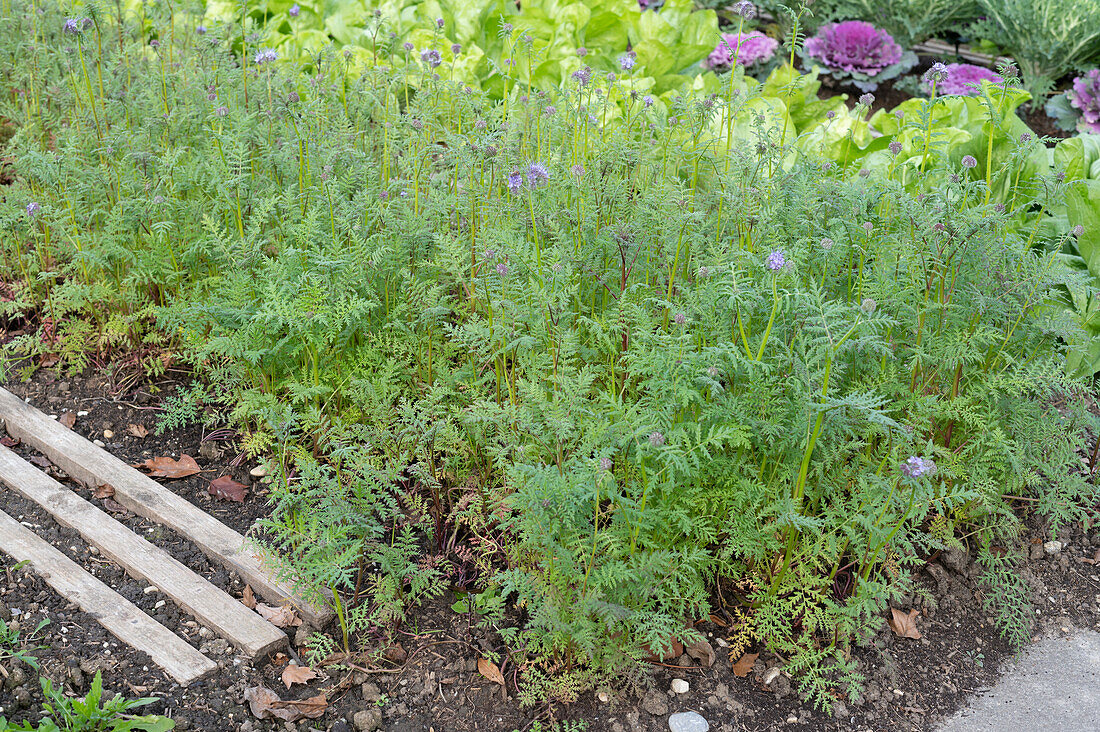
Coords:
916,466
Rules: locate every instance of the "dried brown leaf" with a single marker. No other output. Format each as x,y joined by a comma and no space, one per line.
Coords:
7,441
39,461
743,667
490,670
396,653
67,419
903,624
138,431
281,617
166,467
674,646
115,507
266,704
248,598
295,674
104,490
701,651
228,489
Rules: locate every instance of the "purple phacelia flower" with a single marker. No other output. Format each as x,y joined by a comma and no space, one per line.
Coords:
456,48
854,47
293,98
431,57
515,181
963,80
968,161
33,208
647,101
627,61
867,99
937,74
582,52
605,464
201,30
221,111
868,226
577,171
265,56
1077,230
827,244
502,269
679,318
537,175
408,46
868,305
73,26
656,438
1085,98
439,23
775,260
294,11
748,48
745,9
583,75
895,147
915,467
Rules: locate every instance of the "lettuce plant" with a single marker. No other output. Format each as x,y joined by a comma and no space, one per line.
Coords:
858,52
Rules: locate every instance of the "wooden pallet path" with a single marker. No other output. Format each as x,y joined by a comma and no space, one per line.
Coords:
118,615
141,494
211,606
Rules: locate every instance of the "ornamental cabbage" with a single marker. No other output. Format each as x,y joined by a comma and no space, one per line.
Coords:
859,51
964,80
748,49
1085,97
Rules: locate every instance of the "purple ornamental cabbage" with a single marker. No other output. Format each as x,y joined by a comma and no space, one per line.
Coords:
749,49
1085,97
964,80
859,50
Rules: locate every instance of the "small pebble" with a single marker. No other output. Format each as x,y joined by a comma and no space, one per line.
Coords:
82,413
99,443
1053,548
679,686
771,675
688,722
108,434
258,472
792,719
150,589
602,696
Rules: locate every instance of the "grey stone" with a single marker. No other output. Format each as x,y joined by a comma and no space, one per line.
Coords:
956,558
1053,548
679,686
371,693
655,704
368,720
688,722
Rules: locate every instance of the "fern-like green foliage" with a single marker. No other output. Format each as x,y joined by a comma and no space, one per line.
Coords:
605,366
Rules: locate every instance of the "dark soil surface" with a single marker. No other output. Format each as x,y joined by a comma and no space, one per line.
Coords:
910,683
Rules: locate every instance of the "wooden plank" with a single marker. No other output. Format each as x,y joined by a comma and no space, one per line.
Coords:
210,605
113,611
144,496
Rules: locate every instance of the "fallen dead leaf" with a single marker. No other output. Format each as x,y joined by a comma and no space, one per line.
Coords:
904,625
701,651
138,431
396,653
115,507
266,704
279,659
295,674
67,419
8,441
39,461
104,490
719,621
490,670
248,597
674,646
49,360
228,489
166,467
743,667
281,617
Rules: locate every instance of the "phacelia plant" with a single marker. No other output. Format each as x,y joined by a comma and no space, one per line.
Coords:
858,52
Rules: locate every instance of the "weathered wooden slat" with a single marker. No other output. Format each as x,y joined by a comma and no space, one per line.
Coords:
144,496
113,611
210,605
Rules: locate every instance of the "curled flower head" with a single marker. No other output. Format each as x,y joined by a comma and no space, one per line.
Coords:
73,26
855,47
745,9
201,30
480,124
895,147
154,44
408,46
439,23
537,175
577,171
431,57
1026,137
550,110
605,464
502,269
938,73
656,438
647,101
830,114
1078,230
867,99
33,208
456,48
221,111
293,98
515,181
265,56
294,11
748,48
868,305
960,79
968,161
827,244
868,226
627,61
679,318
582,52
713,372
583,75
775,260
916,466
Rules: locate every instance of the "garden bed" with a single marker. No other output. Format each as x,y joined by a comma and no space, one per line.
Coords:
910,684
